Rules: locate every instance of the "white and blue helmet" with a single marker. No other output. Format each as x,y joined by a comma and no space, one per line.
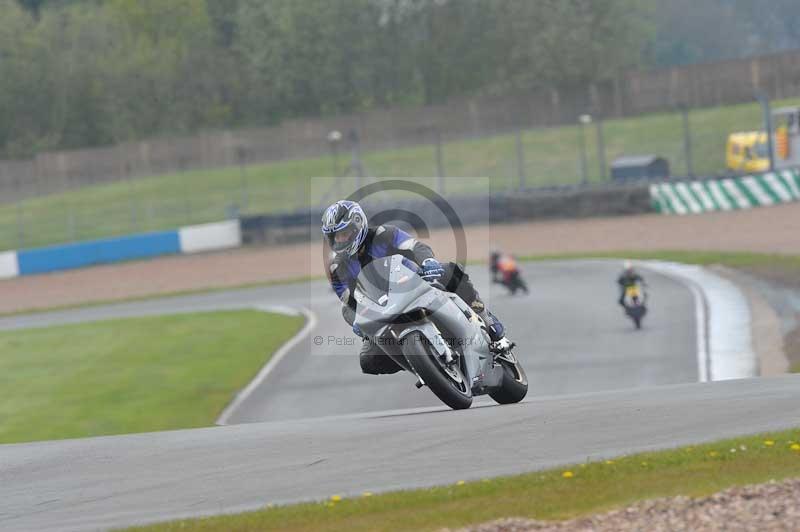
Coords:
344,224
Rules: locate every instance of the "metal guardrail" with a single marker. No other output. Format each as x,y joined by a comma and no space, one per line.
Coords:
570,201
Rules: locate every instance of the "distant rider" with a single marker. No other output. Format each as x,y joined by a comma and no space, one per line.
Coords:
510,274
354,245
629,277
494,268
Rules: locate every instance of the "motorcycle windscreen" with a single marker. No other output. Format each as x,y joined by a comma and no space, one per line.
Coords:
373,281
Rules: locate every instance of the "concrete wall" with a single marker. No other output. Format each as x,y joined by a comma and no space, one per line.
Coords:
190,239
207,237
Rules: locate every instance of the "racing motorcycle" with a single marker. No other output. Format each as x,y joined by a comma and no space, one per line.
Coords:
513,281
433,334
634,301
506,273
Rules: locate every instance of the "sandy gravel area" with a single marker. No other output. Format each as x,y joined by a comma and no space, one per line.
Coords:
775,229
760,508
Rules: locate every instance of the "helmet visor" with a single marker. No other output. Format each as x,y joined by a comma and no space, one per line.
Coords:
343,238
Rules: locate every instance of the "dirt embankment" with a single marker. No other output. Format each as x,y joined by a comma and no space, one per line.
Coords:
773,230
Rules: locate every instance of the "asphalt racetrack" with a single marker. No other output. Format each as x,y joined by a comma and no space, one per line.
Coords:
332,430
572,338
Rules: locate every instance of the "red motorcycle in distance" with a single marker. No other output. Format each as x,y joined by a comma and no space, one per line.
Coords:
506,272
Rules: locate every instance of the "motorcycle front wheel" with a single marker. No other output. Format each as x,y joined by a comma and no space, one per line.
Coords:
515,382
447,382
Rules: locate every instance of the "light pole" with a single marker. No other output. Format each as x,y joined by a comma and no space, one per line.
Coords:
334,138
584,121
687,141
241,156
601,148
765,108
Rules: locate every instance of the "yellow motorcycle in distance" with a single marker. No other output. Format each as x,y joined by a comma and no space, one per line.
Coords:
635,303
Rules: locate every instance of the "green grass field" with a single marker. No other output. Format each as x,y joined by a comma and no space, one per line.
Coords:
551,157
131,375
557,494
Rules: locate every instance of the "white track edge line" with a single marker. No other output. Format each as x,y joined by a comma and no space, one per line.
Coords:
703,356
243,395
701,318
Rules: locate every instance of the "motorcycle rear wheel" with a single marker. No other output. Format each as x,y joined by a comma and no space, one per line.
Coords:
447,383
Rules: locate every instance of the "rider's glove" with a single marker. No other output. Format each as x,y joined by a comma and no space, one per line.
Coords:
357,330
431,270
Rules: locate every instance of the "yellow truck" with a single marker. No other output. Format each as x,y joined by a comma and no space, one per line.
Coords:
748,152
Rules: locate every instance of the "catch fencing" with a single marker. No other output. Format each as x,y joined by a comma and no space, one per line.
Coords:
541,139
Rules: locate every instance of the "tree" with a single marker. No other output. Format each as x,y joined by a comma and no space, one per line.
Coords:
772,23
164,81
456,45
713,31
308,57
574,42
223,18
24,87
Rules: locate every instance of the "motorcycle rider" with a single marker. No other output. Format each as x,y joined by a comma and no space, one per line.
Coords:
494,269
628,277
510,274
354,245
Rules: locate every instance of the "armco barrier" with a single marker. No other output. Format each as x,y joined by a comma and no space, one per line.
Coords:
190,239
563,202
736,193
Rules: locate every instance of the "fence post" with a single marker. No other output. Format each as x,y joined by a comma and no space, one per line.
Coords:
601,148
439,164
68,209
187,206
520,160
582,121
20,215
241,156
356,163
763,99
20,227
131,198
687,141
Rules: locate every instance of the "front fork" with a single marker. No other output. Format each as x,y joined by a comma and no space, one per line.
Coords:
430,332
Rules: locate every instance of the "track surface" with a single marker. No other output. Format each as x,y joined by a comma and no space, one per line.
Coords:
113,481
572,338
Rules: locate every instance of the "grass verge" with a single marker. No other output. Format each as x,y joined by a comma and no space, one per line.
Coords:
131,375
556,494
551,158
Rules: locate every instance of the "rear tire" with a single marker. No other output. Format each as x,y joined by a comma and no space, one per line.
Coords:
515,384
425,361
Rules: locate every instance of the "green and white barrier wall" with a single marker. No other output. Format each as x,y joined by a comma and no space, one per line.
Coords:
695,197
